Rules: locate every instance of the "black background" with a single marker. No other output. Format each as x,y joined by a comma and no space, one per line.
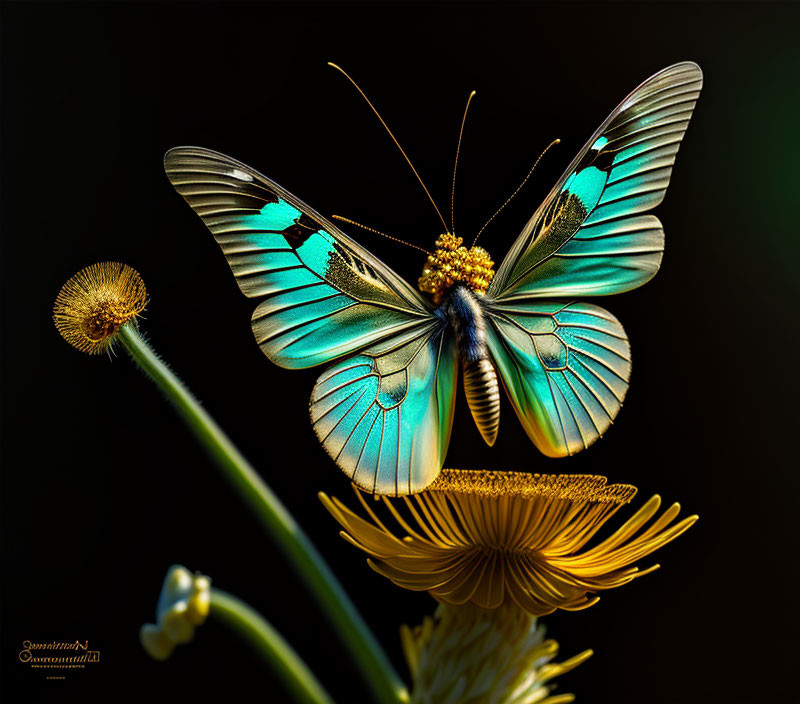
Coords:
103,488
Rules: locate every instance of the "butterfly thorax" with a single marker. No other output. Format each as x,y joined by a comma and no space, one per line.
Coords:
452,264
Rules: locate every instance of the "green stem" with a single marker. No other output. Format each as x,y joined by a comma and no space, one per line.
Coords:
296,676
377,671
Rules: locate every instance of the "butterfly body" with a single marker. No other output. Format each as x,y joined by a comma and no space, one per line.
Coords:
383,408
464,314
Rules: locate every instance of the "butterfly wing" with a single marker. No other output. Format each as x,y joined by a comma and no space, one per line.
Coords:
590,236
385,414
565,367
324,295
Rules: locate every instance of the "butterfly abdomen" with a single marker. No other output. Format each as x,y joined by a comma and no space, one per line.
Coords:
480,378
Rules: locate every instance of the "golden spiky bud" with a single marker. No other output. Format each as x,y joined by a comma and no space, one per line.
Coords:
92,306
452,263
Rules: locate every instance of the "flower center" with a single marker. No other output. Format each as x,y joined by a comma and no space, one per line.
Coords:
451,263
521,485
105,319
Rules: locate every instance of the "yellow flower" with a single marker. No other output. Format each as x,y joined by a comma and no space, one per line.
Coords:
469,655
92,306
184,603
488,538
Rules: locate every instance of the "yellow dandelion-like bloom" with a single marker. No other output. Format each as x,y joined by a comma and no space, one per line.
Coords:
92,306
488,538
469,655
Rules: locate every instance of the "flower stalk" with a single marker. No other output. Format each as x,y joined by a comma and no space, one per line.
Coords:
99,307
378,673
284,661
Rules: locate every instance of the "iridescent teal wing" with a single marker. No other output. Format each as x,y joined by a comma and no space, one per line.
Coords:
385,414
324,296
590,236
565,367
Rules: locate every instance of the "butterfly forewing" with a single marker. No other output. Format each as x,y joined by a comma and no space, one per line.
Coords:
589,236
325,296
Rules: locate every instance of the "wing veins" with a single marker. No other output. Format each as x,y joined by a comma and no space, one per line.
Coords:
341,386
619,199
551,383
599,378
673,120
347,412
334,407
273,294
625,359
571,412
276,335
652,167
601,255
261,272
355,427
363,447
293,306
624,338
671,133
380,451
585,410
602,363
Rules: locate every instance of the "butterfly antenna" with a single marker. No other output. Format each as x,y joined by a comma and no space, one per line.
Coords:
419,178
455,165
378,232
524,181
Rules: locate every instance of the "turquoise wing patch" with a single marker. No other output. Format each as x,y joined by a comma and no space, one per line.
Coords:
565,367
324,295
385,414
590,236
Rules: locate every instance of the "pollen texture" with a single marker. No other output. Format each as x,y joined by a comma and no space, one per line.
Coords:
451,263
92,306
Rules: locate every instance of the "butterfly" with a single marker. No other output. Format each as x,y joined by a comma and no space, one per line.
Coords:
384,408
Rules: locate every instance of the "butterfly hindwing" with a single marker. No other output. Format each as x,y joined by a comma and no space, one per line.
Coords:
565,367
590,236
385,414
324,295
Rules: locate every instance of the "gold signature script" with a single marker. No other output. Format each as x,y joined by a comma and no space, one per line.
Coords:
57,654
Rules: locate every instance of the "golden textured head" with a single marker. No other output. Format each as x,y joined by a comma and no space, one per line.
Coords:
95,303
451,263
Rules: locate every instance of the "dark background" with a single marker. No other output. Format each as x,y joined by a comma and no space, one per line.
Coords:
103,488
